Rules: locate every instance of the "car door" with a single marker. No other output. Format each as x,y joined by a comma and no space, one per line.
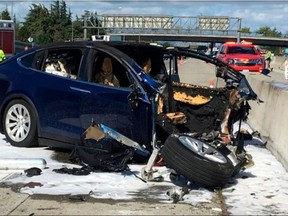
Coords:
57,103
113,105
68,104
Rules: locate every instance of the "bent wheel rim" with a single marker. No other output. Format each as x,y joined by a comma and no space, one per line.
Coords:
18,122
203,149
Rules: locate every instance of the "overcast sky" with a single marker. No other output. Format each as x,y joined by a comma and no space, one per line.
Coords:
254,14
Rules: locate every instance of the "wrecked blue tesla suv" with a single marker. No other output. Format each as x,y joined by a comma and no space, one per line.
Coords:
50,95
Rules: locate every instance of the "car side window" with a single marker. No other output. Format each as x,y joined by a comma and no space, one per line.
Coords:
109,71
222,50
64,62
33,60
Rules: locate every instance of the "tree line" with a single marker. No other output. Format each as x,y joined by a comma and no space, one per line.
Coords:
56,24
49,25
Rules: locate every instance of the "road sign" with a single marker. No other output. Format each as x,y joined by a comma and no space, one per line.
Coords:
30,39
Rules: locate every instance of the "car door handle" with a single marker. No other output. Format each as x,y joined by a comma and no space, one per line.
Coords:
80,90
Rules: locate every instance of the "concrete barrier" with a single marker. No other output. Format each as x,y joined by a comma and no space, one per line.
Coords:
271,117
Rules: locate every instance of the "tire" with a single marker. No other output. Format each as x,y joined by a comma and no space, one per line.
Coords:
198,161
20,125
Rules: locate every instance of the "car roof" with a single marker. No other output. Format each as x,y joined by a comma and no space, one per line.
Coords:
107,46
140,46
104,44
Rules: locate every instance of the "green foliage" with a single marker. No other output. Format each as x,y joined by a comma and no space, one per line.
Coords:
46,26
60,21
268,32
245,30
77,29
22,33
5,15
166,44
54,24
37,23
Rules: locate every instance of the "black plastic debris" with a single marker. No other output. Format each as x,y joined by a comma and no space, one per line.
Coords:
34,171
105,155
77,198
100,152
73,171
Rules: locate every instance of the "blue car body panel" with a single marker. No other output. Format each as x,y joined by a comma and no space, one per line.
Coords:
66,107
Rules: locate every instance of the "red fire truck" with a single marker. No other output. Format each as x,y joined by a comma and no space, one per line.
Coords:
7,37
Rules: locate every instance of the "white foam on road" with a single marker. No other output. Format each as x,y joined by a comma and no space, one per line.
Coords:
261,189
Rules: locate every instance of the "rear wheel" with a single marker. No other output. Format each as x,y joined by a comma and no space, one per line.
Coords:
198,161
19,123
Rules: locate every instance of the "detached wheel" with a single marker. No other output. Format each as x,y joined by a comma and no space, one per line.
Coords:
19,123
198,161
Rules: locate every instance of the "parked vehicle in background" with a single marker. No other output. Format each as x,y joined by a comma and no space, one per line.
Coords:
202,49
7,37
106,38
50,95
241,56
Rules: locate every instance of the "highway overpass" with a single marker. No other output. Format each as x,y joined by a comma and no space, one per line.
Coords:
212,29
265,41
207,29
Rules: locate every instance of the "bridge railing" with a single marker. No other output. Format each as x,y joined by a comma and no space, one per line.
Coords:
166,24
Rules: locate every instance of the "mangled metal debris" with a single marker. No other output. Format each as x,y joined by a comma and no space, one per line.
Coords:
176,194
105,149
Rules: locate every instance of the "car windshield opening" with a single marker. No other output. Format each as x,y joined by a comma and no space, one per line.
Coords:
241,50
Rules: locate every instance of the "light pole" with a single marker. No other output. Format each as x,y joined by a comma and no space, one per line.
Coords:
72,31
85,24
12,6
98,23
239,30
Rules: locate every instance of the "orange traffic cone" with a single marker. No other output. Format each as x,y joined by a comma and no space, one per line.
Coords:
211,84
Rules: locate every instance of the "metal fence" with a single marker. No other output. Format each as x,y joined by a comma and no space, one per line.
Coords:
150,24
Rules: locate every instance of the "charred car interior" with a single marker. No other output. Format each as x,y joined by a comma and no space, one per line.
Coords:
133,115
198,119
